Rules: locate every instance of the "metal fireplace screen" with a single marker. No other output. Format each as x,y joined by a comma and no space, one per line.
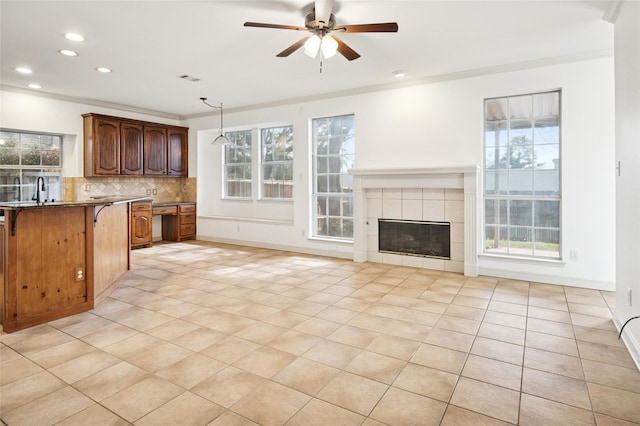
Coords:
415,238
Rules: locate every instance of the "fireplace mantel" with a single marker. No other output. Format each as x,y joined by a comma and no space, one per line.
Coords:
465,177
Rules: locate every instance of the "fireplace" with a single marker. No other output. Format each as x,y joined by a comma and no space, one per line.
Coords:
415,238
436,194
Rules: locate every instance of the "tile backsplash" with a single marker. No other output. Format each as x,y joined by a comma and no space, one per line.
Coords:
161,189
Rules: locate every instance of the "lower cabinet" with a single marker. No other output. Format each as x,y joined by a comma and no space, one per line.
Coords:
141,233
181,226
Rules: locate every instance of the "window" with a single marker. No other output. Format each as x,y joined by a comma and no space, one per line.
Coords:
522,175
333,154
277,162
23,158
237,165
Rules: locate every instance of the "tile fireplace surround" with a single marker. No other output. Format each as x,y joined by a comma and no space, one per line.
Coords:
410,193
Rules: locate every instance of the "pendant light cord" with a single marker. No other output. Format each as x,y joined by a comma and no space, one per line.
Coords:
204,101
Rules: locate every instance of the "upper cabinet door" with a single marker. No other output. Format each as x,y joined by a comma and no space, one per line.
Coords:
115,146
155,150
177,151
106,147
131,143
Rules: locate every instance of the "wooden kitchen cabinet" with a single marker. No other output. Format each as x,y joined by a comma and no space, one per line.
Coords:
155,150
117,146
141,230
102,146
131,145
177,151
180,226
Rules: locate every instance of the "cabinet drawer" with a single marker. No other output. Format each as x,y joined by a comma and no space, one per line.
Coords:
188,208
165,210
188,230
141,206
187,218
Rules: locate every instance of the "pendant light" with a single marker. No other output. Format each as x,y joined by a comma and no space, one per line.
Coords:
221,139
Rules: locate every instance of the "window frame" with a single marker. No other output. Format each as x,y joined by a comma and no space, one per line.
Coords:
508,203
27,174
344,200
282,162
226,151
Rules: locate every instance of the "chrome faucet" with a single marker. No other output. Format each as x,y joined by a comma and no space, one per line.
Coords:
36,197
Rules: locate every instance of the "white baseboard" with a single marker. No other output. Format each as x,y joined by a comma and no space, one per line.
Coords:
305,250
630,341
548,279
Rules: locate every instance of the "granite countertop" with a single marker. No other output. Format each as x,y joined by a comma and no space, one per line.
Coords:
98,201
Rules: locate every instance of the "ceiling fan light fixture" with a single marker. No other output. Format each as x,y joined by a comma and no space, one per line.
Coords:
312,46
329,46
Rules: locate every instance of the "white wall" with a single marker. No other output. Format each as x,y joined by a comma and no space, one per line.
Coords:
440,124
627,62
429,125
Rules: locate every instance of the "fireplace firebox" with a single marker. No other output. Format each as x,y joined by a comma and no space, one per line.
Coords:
414,238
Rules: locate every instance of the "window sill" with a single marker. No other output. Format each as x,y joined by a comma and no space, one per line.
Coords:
275,200
331,240
520,259
242,199
247,220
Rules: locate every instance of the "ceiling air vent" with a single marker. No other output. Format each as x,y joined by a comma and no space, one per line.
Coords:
188,78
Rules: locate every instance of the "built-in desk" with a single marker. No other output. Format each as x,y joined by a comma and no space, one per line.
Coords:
178,220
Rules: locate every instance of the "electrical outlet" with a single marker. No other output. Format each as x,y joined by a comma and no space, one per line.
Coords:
79,274
148,191
87,187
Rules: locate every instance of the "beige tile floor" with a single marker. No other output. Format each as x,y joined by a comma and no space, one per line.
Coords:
210,334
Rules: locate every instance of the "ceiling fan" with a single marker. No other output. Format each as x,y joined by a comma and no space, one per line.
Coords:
320,23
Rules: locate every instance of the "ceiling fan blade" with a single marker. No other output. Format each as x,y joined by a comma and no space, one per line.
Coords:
295,46
323,10
276,26
386,27
345,50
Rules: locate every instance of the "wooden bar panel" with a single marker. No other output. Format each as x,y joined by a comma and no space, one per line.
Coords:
60,261
110,250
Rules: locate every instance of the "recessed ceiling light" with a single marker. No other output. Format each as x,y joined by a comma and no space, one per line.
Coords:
35,86
67,52
74,37
24,70
399,73
103,69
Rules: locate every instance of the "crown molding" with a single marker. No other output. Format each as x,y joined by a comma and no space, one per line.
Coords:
613,11
87,101
478,72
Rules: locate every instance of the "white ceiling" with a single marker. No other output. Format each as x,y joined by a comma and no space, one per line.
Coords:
148,44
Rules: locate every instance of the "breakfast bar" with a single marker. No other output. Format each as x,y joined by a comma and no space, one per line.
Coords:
61,258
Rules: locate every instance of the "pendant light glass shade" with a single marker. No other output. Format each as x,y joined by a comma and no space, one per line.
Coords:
221,140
